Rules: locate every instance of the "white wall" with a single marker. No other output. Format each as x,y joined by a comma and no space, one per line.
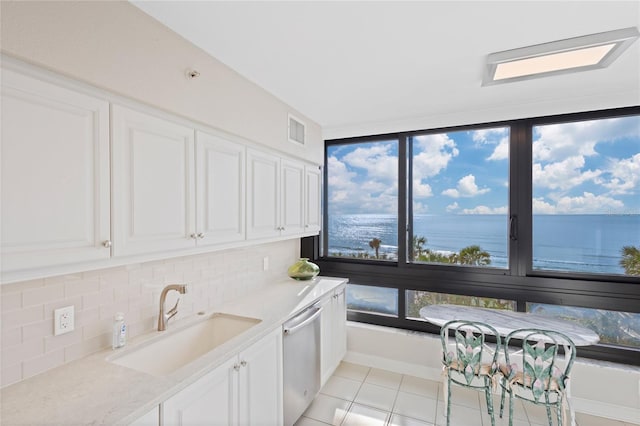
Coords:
115,46
598,388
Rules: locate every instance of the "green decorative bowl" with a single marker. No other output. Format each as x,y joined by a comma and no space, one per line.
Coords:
303,270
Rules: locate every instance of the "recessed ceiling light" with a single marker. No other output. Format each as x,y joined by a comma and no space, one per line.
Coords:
558,57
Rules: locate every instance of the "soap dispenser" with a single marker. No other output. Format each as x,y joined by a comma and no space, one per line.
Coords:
119,331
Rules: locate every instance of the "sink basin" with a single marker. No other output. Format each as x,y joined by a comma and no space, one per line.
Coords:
165,354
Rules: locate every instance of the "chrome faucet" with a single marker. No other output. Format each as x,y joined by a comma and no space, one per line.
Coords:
164,318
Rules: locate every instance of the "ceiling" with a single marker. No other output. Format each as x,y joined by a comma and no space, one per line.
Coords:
365,67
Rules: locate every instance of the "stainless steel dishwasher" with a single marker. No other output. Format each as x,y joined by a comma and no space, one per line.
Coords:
301,355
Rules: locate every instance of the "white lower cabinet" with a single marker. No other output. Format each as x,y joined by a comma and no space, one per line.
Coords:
245,390
333,340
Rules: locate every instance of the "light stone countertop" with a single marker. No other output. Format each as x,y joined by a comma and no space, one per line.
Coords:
94,391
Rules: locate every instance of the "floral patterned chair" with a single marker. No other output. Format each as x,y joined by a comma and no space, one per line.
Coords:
468,360
537,373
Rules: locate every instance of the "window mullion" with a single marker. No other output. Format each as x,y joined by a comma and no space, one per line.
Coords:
404,200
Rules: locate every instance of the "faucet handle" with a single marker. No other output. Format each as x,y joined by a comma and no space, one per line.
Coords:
173,311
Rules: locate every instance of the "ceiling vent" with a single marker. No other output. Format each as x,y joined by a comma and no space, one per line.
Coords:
297,130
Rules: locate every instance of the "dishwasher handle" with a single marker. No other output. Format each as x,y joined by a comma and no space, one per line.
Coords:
313,313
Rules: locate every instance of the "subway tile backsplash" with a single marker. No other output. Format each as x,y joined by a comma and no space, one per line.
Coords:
29,346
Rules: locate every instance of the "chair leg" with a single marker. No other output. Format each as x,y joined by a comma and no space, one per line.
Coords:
560,412
448,400
487,393
501,401
510,408
548,407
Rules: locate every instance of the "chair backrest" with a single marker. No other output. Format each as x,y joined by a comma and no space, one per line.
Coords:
465,349
537,367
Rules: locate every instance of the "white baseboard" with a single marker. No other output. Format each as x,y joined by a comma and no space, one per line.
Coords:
394,365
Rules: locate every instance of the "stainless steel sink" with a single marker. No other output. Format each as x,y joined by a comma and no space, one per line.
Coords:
168,352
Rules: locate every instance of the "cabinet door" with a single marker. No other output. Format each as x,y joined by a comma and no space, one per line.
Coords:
312,204
209,401
55,174
334,332
153,184
326,338
221,190
260,399
292,199
340,325
263,195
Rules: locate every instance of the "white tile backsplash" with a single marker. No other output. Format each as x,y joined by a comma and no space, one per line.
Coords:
28,344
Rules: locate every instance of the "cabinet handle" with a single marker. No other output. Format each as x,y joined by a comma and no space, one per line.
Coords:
236,367
106,243
243,363
200,235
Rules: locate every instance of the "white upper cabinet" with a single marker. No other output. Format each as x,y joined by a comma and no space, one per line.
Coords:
153,183
221,190
55,175
312,203
291,200
276,203
263,195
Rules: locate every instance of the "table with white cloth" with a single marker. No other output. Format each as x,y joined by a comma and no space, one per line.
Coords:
507,321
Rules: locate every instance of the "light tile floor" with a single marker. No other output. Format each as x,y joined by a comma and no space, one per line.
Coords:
361,396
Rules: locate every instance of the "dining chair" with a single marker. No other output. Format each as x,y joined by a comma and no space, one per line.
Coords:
537,373
468,360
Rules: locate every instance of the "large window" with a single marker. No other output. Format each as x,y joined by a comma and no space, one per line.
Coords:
460,197
586,196
363,200
540,214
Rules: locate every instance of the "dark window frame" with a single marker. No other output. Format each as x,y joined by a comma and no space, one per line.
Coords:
519,282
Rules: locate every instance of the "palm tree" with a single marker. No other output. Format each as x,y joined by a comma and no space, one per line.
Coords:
375,244
474,255
630,260
418,246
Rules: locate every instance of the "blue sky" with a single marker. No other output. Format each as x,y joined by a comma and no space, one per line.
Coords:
590,167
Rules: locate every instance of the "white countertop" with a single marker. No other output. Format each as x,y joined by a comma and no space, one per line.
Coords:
93,390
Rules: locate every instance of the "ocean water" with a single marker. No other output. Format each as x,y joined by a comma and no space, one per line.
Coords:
586,243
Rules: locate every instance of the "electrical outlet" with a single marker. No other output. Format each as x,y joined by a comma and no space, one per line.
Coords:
63,320
265,263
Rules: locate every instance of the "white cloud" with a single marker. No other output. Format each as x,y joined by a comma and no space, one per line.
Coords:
501,151
625,175
466,188
432,155
490,136
374,189
453,207
563,174
588,203
558,141
420,207
339,176
486,210
421,190
540,206
376,159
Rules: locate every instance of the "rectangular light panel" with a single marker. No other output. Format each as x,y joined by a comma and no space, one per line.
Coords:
558,57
